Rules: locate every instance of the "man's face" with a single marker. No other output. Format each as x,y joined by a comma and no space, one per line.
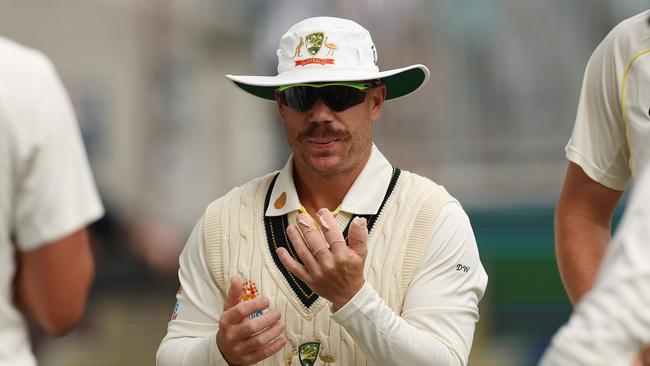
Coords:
326,142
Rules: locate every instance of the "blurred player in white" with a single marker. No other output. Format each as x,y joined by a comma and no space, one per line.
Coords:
609,145
47,198
611,324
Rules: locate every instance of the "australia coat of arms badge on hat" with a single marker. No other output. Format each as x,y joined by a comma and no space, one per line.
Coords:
313,43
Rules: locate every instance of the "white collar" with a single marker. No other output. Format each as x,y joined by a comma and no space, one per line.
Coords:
363,198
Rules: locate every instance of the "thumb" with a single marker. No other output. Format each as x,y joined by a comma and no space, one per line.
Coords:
234,293
358,236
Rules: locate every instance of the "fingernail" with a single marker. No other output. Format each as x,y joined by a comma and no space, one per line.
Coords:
361,221
323,223
323,211
303,220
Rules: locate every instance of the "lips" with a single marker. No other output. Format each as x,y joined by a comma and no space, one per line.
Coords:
322,140
323,146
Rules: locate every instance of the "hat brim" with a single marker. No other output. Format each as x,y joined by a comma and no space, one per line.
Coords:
399,82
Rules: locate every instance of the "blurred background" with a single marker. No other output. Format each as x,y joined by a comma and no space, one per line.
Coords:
166,134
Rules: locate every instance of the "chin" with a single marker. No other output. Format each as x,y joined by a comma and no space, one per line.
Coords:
325,166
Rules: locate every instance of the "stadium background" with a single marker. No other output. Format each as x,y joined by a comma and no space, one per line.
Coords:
166,134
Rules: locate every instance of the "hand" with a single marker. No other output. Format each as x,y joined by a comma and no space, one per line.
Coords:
644,357
244,341
331,268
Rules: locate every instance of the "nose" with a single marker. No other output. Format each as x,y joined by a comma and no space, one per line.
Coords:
320,112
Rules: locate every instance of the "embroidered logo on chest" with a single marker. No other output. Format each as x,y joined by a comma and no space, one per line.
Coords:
308,353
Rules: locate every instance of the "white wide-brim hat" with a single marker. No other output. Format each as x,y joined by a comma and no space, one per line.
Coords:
327,49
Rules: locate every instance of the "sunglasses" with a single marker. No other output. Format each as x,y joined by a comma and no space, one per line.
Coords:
338,96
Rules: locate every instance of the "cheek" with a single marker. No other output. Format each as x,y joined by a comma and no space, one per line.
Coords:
364,129
292,122
291,132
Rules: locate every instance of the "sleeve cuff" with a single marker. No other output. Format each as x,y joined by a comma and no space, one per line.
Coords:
214,353
362,298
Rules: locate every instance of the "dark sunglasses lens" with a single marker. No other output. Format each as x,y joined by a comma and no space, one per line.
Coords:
300,98
340,98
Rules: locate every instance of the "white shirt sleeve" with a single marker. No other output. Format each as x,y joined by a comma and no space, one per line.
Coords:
191,334
440,309
598,143
54,192
611,324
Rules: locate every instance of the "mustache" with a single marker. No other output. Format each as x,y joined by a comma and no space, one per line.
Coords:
320,130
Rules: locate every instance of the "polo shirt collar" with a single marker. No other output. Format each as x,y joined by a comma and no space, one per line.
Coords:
363,198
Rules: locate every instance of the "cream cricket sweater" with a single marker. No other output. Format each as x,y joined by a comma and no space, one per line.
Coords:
419,305
236,244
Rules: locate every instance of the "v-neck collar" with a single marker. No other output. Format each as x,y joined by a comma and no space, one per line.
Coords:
363,198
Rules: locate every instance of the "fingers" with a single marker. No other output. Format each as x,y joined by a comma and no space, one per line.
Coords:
265,335
234,293
250,340
253,326
312,235
358,235
265,352
300,247
243,309
293,266
331,231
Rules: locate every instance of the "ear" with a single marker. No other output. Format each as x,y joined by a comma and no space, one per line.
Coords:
377,96
279,104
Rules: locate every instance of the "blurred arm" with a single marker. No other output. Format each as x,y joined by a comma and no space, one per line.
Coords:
53,281
191,333
611,324
582,229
